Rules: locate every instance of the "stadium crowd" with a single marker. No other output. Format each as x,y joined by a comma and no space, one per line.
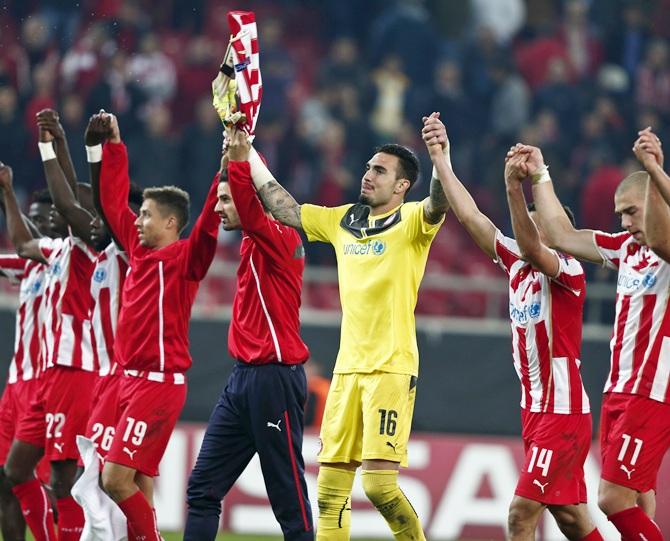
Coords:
576,77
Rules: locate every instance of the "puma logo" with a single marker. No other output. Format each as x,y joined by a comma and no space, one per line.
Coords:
59,447
274,425
391,446
626,470
130,453
536,482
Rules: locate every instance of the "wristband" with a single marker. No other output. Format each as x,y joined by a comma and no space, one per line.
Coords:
47,151
541,175
94,153
260,174
447,154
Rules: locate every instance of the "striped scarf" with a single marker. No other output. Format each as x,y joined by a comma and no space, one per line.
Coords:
244,45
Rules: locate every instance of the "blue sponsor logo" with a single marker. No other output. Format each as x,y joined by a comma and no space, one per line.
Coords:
242,65
525,313
628,281
99,275
36,287
55,269
649,280
374,247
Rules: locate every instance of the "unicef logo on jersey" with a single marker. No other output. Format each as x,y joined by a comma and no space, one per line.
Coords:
100,275
378,247
374,247
36,287
649,280
525,313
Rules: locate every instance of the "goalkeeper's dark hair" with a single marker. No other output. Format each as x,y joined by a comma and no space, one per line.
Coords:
566,208
41,196
408,166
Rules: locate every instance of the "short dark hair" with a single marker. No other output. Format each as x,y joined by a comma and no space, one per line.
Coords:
174,200
42,196
566,208
135,195
408,162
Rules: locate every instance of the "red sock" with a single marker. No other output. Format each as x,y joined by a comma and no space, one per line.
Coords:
36,509
635,525
140,516
70,519
593,536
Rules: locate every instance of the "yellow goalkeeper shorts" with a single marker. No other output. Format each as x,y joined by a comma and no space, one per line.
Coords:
367,416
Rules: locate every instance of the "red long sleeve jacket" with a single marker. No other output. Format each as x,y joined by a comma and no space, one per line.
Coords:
265,327
158,294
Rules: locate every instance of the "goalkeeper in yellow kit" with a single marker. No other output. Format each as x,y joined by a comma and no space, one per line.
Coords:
382,246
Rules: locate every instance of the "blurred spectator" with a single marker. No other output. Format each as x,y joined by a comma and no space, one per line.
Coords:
559,95
317,391
74,121
584,51
13,133
405,29
201,151
510,104
627,40
115,92
154,152
390,90
653,77
600,187
153,71
503,17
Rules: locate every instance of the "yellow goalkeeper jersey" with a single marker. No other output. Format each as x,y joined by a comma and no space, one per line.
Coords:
380,264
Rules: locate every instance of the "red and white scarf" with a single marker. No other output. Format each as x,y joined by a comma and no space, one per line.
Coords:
246,65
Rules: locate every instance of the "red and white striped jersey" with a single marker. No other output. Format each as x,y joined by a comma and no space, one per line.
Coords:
640,345
109,274
30,275
66,336
546,318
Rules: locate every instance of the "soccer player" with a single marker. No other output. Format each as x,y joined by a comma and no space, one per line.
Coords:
25,367
60,409
546,299
151,342
635,416
261,409
382,245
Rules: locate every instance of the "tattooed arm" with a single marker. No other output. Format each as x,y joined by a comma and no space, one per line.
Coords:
281,204
275,198
437,204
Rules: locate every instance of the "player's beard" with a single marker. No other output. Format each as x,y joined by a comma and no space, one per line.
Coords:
364,200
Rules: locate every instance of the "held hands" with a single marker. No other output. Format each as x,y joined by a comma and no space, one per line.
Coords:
50,126
647,149
516,169
533,157
101,127
434,134
238,145
6,177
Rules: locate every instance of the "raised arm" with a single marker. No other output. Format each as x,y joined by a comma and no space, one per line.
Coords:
648,151
560,232
63,190
93,138
115,186
268,236
21,237
53,125
526,233
276,199
480,228
436,205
